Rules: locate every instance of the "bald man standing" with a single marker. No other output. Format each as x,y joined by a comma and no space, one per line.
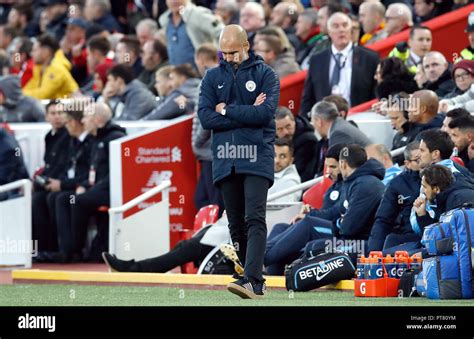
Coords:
237,102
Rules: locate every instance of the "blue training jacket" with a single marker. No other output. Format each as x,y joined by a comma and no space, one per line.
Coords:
245,136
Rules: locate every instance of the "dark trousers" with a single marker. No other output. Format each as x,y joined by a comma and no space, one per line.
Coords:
43,225
245,198
206,192
290,241
185,251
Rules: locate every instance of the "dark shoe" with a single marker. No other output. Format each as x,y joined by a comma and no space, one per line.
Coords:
246,289
117,265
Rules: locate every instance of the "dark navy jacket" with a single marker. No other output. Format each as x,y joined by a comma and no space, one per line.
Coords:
330,209
436,122
361,197
79,155
244,124
12,167
393,214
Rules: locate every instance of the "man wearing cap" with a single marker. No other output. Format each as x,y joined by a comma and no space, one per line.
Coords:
468,52
74,47
463,76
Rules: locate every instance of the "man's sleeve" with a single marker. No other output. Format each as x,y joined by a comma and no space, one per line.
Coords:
386,214
50,85
168,110
308,99
208,116
337,138
138,106
259,116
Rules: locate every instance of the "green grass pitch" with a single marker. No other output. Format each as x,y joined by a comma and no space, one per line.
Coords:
87,295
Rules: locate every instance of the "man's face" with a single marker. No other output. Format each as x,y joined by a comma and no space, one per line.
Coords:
74,34
278,14
429,191
462,139
262,49
285,128
344,169
412,162
123,55
463,79
366,18
318,126
14,19
303,27
89,122
396,119
250,20
175,5
55,116
322,19
234,52
445,127
426,157
113,84
421,41
332,168
162,85
422,8
74,127
144,35
414,109
90,10
355,31
38,53
434,67
150,59
394,21
283,158
339,31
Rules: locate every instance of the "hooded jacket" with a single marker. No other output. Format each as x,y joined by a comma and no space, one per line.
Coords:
12,166
362,193
137,100
330,209
305,145
393,214
99,162
56,82
17,107
168,108
436,122
244,126
284,179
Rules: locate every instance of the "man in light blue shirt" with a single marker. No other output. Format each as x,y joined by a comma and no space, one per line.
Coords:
380,153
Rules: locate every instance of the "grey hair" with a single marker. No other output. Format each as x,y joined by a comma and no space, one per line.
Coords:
412,146
325,110
257,8
311,15
150,24
104,5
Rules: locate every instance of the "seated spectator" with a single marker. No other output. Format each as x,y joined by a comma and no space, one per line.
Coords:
12,166
361,194
14,106
55,161
462,135
425,10
227,11
372,19
453,114
252,18
326,121
205,240
413,51
443,191
465,101
92,192
398,18
146,30
286,175
288,52
423,111
380,153
128,52
74,48
463,76
188,26
20,18
308,33
137,100
341,104
301,134
468,52
285,15
97,49
406,133
393,77
392,221
271,50
437,73
154,57
23,64
183,96
330,70
356,28
56,11
98,12
50,64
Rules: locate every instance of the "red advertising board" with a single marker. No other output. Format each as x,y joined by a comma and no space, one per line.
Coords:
161,155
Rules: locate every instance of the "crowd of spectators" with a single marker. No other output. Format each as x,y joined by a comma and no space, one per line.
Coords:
145,60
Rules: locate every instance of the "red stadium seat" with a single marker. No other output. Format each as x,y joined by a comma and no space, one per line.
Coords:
314,196
205,216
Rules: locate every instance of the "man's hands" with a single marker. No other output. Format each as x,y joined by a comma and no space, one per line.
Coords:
258,101
443,106
304,210
220,107
54,185
420,206
80,190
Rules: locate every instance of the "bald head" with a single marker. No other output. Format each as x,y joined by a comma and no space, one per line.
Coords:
380,153
434,65
423,106
103,113
234,44
371,15
398,16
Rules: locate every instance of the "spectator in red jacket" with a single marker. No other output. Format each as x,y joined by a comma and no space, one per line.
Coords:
22,62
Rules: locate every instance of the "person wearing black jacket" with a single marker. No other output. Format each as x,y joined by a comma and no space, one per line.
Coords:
462,134
63,188
443,189
55,161
392,220
301,133
93,191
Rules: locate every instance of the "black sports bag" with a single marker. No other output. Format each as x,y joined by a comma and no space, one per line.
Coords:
305,274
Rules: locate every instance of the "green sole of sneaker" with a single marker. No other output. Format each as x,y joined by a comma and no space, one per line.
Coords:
242,292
